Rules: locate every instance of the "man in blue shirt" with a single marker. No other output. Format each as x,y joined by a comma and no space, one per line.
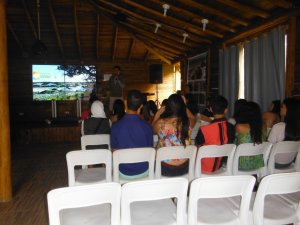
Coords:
132,132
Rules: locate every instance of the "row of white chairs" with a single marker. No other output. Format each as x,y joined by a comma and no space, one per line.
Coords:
154,159
212,200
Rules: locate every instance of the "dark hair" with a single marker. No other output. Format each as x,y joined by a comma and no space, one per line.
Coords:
134,100
117,67
276,107
239,108
292,119
191,103
218,104
147,109
93,98
255,122
119,108
164,102
176,107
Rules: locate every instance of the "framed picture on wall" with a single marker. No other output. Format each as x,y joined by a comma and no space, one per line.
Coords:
197,77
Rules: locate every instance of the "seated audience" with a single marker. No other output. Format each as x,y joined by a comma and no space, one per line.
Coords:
97,123
272,116
249,129
132,132
118,110
218,132
289,130
148,111
172,124
87,113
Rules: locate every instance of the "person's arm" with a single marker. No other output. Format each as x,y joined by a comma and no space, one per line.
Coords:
230,133
191,117
156,120
121,82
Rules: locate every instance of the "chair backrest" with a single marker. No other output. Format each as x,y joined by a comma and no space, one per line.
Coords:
176,152
221,187
133,155
283,147
95,139
84,196
274,184
88,157
154,190
250,149
209,151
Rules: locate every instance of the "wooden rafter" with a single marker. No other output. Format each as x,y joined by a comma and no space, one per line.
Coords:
246,8
282,3
11,29
148,47
77,29
146,55
196,17
58,38
207,9
131,49
115,44
185,25
97,36
29,19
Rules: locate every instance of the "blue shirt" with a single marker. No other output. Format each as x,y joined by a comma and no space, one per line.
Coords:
131,132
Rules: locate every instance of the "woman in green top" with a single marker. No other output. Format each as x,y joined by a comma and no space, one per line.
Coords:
249,129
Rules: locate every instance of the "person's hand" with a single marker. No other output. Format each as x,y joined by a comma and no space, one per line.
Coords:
184,99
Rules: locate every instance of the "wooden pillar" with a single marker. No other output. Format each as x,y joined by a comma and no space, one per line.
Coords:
290,58
5,160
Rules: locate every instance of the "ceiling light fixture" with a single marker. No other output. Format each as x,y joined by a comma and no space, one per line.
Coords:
165,7
156,28
185,35
204,22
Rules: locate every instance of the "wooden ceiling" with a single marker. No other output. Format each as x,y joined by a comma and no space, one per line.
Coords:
124,30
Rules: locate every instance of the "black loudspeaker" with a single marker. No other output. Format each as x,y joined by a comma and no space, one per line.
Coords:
156,74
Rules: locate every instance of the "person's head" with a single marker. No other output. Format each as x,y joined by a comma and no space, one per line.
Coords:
119,108
134,100
290,109
93,98
218,105
97,109
275,107
239,107
117,70
254,119
164,102
152,106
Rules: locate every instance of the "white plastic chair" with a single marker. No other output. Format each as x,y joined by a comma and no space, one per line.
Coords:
95,139
249,149
176,152
133,155
284,147
209,151
138,205
214,205
89,175
272,205
91,204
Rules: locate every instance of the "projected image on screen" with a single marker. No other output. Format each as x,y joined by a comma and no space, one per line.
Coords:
56,82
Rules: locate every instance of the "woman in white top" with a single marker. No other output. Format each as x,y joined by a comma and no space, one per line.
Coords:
289,130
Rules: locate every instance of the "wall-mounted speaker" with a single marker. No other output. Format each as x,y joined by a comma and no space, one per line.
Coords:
156,73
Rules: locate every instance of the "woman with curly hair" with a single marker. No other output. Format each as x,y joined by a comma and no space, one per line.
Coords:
173,123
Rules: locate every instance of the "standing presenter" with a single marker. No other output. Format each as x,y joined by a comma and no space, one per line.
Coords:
116,85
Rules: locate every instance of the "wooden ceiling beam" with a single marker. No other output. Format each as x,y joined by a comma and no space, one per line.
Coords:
282,3
246,8
114,49
155,51
98,37
11,29
58,38
183,24
152,50
215,12
195,16
146,55
77,29
131,49
28,16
